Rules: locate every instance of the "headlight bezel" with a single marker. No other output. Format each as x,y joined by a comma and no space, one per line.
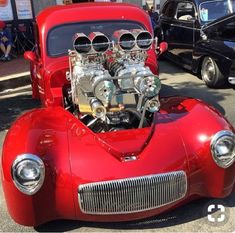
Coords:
18,163
214,142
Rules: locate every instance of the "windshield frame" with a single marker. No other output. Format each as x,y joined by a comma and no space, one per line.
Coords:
84,22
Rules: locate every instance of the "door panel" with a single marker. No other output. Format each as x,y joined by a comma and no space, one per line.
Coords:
179,32
183,41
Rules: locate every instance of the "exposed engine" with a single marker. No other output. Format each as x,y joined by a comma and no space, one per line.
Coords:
111,88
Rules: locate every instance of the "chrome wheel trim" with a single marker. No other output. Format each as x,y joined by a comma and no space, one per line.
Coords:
208,70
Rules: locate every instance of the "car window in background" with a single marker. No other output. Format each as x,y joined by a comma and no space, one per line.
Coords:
169,10
185,11
212,10
60,38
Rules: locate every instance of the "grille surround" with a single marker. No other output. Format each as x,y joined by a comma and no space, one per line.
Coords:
132,195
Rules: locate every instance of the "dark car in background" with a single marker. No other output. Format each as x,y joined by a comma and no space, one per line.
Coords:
201,37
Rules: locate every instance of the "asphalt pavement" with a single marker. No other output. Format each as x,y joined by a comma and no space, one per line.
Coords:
192,217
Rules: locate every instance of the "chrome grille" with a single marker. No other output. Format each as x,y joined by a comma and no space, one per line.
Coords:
132,194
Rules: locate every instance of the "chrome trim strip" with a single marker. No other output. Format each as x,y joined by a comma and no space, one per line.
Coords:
132,195
181,26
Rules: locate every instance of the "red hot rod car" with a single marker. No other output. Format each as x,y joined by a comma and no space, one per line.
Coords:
104,146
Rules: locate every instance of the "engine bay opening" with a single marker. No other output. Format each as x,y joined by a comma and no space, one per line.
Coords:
110,87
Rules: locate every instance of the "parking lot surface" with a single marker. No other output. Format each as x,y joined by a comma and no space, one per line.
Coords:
192,217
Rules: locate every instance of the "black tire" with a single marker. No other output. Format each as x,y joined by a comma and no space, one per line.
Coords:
211,74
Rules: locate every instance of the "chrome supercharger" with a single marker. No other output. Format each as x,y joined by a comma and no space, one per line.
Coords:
110,82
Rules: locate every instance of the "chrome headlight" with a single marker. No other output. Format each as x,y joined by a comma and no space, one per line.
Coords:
223,148
28,173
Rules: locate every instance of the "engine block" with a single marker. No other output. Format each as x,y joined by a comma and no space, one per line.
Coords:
109,76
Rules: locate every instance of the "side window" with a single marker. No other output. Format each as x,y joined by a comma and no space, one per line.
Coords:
185,11
169,10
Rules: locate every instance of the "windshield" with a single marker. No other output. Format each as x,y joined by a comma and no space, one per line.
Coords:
60,38
212,10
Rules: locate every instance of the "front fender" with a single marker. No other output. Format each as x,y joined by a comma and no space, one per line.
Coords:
197,123
212,49
41,132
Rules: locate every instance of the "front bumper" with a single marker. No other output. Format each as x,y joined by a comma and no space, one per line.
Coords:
231,78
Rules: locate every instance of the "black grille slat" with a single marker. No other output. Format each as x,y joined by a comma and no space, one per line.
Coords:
132,194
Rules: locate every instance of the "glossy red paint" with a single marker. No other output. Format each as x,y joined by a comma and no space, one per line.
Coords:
74,155
179,138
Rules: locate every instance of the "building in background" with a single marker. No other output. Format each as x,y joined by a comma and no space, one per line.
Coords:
16,10
39,5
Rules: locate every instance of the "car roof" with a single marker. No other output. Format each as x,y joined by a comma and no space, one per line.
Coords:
61,14
85,12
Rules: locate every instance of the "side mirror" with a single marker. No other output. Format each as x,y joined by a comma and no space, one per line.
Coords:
162,48
29,55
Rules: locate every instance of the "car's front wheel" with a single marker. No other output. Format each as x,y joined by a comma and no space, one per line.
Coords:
211,74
